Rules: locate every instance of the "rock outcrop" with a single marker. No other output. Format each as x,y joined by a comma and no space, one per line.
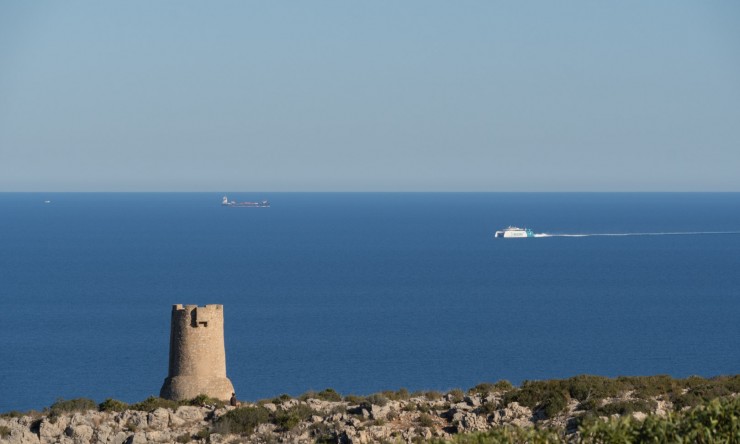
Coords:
407,420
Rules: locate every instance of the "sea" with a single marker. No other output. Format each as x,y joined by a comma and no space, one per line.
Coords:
364,292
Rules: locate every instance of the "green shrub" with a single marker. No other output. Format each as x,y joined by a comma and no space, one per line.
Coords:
377,399
456,395
715,421
184,438
203,434
700,394
281,399
308,395
487,408
112,405
587,387
322,433
4,431
553,403
426,420
646,387
287,419
12,414
398,395
626,407
242,421
152,403
502,385
507,435
329,394
433,395
549,397
68,406
482,389
204,400
354,399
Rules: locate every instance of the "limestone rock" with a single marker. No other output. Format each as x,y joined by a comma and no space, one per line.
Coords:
159,419
50,431
80,434
137,438
190,413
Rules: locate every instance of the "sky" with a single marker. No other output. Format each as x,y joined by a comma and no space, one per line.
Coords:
370,96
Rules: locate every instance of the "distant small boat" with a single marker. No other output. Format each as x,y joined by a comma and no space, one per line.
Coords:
47,201
515,232
231,203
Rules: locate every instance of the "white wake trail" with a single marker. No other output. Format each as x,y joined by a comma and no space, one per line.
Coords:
675,233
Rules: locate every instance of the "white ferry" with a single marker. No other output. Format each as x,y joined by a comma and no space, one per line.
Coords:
234,204
514,232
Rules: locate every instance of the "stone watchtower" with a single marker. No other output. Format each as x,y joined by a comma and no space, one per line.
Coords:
197,354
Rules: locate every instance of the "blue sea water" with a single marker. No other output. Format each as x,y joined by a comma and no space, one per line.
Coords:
364,292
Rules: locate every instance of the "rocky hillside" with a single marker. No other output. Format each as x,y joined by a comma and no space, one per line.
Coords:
560,405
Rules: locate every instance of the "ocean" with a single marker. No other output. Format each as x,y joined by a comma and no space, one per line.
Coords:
364,292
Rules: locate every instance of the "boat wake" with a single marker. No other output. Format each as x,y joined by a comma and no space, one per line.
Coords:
675,233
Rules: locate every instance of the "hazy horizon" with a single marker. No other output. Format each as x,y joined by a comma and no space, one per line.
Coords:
418,96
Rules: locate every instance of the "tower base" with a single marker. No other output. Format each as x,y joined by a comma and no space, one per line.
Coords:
180,388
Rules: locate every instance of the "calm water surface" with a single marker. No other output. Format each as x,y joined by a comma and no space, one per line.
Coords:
363,292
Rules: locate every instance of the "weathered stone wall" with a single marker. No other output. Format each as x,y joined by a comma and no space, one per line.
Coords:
197,354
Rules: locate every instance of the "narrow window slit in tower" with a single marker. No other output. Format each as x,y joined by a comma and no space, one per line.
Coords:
203,323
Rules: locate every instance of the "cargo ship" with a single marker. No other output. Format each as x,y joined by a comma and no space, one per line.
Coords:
232,203
515,232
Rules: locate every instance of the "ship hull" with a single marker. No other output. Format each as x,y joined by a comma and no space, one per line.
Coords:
514,233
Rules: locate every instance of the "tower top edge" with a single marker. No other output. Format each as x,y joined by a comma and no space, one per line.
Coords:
180,307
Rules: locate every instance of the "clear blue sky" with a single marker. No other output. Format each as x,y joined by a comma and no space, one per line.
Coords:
370,96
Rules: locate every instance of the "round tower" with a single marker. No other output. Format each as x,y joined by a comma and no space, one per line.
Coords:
197,354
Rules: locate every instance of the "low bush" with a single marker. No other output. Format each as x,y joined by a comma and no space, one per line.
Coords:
329,394
485,388
482,389
646,387
4,431
152,403
112,405
201,400
398,395
69,406
287,419
715,421
456,395
548,397
699,394
589,387
308,395
203,434
507,435
354,399
281,399
322,433
432,395
426,420
626,407
184,438
377,399
242,421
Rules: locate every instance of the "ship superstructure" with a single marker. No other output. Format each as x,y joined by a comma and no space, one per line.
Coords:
232,203
514,232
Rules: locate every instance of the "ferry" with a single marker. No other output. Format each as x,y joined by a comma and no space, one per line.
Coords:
232,203
515,232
